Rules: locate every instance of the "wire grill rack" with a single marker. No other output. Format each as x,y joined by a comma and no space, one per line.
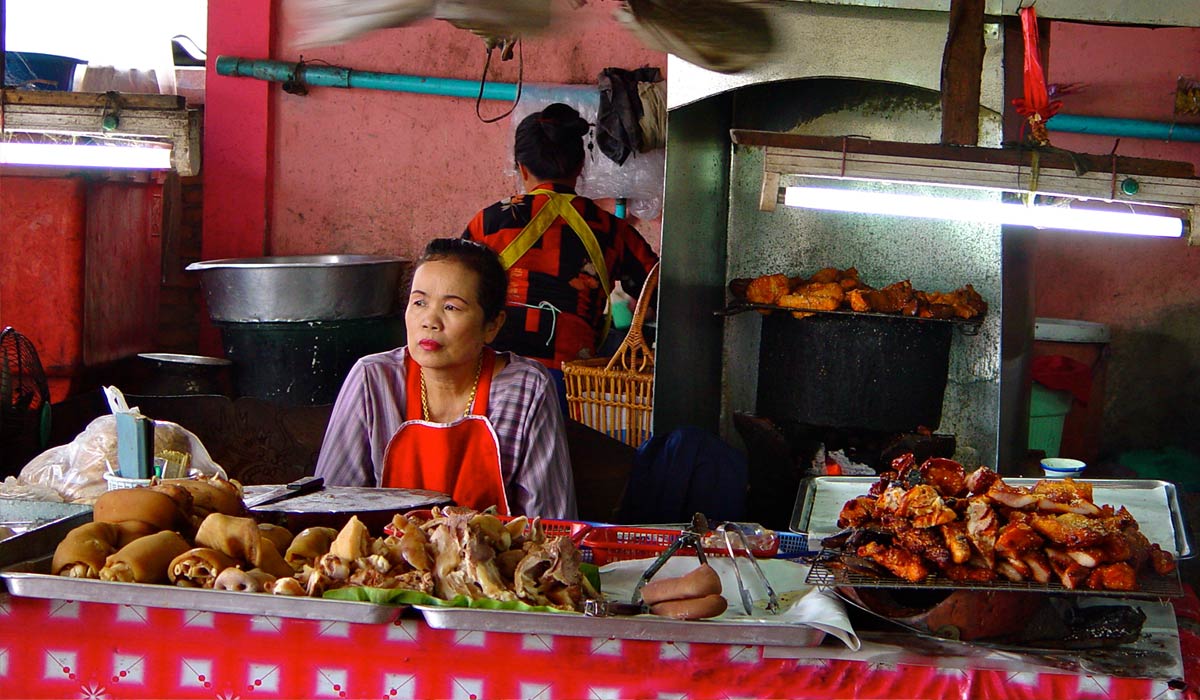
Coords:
827,572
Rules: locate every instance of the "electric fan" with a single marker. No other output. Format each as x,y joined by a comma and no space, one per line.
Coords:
24,402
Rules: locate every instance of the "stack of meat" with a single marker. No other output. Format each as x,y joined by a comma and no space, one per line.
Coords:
831,289
917,521
196,536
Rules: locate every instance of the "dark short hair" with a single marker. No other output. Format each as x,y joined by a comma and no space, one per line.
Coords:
480,259
550,142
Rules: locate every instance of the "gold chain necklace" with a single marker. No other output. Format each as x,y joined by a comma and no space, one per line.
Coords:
470,399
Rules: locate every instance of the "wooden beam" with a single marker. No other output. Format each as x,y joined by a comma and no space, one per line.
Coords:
962,69
163,117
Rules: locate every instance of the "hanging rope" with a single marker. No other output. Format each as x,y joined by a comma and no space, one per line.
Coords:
483,81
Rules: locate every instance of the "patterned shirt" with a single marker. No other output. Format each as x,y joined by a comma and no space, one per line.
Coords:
522,407
557,272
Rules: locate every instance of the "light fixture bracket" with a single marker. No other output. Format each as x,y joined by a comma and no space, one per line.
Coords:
162,118
1160,184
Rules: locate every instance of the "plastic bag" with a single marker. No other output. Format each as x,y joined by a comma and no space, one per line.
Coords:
76,470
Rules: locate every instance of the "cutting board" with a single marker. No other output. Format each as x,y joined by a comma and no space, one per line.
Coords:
333,506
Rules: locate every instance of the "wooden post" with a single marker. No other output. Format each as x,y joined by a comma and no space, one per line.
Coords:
962,66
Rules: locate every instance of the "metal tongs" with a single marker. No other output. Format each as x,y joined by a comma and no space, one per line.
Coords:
693,537
729,531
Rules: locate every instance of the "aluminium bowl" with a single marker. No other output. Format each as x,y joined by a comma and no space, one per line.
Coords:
300,287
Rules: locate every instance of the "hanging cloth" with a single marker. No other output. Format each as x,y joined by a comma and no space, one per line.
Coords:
461,458
558,206
1036,107
618,131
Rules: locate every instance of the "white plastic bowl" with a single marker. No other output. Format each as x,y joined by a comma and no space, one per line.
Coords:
1061,467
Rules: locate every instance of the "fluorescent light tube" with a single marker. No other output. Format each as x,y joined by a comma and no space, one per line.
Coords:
986,211
85,155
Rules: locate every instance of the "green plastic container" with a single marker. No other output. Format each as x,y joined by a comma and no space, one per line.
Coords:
1047,412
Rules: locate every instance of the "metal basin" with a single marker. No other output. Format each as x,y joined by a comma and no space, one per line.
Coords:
301,287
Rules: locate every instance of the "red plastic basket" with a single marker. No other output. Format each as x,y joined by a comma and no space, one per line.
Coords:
610,544
551,528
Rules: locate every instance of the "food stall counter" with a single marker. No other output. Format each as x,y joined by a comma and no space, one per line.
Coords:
55,649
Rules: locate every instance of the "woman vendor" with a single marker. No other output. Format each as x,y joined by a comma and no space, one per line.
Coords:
562,251
448,413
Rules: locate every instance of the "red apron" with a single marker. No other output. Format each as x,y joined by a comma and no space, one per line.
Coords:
460,458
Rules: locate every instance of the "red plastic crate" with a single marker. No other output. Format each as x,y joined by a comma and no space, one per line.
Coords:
551,528
610,544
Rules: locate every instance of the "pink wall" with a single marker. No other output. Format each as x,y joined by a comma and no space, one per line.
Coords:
365,171
1144,289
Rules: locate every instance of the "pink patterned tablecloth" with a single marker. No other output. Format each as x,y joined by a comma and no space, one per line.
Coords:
60,649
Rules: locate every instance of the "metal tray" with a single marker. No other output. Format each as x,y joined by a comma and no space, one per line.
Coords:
32,580
39,525
640,627
821,498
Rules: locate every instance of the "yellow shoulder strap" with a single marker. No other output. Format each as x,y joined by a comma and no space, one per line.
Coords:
559,205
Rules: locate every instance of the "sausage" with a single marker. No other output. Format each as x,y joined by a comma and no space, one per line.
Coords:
691,608
701,582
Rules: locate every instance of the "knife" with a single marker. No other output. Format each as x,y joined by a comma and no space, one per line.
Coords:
298,487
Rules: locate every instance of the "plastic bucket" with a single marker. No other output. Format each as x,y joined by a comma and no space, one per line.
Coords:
1048,411
39,71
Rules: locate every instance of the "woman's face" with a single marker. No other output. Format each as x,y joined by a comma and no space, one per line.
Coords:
445,322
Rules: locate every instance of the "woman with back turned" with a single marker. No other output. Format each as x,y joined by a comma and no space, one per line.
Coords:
562,252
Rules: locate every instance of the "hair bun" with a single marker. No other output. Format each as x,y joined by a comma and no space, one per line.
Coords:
561,119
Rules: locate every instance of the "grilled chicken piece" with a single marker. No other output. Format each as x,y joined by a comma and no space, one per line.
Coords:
1113,577
1039,566
945,475
982,528
962,573
925,507
1014,570
980,480
857,512
882,484
1065,496
817,296
1016,539
889,501
903,564
1017,497
1161,561
1064,490
767,289
957,542
1070,572
925,543
1073,530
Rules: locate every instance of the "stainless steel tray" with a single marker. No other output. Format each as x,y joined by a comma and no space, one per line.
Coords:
640,627
32,580
39,525
821,498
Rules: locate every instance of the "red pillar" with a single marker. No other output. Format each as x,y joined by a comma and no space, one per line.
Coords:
236,164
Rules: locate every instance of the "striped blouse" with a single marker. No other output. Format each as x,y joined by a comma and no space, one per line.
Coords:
522,407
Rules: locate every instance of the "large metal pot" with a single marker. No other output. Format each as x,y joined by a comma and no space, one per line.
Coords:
301,287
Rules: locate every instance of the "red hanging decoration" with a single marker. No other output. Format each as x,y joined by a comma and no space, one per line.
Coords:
1036,107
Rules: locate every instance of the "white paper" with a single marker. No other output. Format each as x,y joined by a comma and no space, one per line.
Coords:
799,603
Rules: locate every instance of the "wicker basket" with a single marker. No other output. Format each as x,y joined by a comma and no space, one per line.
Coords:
616,395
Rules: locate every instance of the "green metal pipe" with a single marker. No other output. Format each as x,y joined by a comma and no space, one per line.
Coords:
335,76
1132,128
